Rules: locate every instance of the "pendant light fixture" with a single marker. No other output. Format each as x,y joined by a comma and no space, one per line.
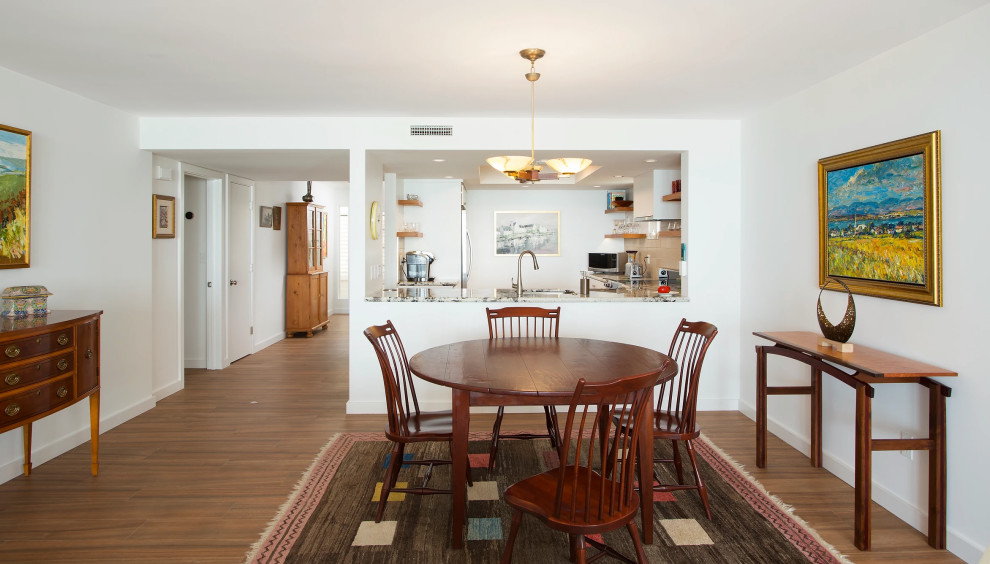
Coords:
525,169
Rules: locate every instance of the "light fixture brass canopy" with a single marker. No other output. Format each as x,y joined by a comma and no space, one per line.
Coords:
525,169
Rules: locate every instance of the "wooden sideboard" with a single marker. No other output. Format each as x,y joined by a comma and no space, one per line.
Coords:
306,287
47,364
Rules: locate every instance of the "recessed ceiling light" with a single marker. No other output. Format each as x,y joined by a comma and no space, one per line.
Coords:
618,176
439,160
650,160
448,176
598,185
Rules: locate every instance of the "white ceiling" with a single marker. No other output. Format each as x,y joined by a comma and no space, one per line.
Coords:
439,58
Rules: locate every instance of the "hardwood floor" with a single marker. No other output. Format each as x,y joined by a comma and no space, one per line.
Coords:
198,478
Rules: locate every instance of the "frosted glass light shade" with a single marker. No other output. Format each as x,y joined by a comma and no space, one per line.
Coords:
569,165
509,163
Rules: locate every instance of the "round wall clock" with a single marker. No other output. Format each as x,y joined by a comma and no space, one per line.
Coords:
374,220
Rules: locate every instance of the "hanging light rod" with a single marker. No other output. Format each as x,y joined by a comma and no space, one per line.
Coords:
525,169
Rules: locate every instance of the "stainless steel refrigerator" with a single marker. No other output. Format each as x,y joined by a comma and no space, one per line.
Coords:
465,243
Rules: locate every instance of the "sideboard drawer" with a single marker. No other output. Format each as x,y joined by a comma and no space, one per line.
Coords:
13,351
27,404
14,377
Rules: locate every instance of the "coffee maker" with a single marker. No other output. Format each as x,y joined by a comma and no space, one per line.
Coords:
633,268
417,267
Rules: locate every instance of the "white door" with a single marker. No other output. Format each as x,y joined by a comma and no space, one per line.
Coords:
240,219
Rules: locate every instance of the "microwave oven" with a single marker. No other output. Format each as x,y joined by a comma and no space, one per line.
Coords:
607,262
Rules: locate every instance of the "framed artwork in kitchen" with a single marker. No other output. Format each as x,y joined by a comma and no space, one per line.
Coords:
163,217
518,231
880,220
15,197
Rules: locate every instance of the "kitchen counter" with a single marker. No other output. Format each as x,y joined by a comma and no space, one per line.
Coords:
633,291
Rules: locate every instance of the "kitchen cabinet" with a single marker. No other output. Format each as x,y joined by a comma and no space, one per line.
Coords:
654,197
306,282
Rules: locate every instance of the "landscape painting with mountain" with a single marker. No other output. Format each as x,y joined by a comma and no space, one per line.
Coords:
876,221
15,192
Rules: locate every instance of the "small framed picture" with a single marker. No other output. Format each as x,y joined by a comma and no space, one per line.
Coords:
266,216
163,218
277,218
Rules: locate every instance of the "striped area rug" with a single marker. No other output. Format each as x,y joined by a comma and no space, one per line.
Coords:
330,515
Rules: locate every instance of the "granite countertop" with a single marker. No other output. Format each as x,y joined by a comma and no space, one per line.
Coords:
643,290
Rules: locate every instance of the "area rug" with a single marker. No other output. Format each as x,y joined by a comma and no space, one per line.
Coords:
330,516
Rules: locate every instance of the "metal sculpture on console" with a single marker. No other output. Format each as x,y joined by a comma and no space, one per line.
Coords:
308,196
844,329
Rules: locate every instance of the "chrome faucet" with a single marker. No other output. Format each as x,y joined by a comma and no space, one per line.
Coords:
518,285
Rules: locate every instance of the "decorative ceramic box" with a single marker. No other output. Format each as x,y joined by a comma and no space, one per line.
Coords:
25,301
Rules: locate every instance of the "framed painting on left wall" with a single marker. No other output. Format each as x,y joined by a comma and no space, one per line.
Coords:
15,197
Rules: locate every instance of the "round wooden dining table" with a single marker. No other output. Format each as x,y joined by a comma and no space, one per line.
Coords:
533,371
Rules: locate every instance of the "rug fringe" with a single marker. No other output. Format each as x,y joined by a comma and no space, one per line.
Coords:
842,558
253,550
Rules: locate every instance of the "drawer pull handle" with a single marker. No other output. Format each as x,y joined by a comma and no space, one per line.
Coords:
62,364
12,351
12,409
12,379
89,353
62,339
62,392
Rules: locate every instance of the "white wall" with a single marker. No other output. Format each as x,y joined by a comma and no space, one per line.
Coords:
165,284
583,226
440,222
937,81
90,245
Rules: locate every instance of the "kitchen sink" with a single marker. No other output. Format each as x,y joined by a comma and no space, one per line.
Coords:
536,292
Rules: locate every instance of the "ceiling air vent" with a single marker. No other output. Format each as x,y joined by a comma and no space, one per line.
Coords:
433,130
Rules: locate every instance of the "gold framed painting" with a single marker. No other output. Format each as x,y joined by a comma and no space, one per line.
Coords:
163,217
880,224
15,197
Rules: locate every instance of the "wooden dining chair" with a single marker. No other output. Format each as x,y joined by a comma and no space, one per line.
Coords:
591,492
406,423
523,322
677,401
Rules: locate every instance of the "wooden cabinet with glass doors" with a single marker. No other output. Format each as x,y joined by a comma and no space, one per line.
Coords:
306,282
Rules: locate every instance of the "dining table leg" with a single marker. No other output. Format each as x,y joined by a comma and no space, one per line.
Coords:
646,472
461,415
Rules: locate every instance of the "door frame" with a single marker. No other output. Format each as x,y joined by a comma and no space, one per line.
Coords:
231,179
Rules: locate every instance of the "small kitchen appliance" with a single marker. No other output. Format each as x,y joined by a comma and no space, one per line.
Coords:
606,262
418,266
633,268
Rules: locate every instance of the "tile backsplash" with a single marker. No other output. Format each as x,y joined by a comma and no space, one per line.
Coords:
665,252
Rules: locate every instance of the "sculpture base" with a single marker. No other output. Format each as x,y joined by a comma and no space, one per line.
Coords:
835,345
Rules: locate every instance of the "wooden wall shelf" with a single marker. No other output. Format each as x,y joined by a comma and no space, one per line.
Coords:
626,236
619,210
671,233
411,203
675,197
409,234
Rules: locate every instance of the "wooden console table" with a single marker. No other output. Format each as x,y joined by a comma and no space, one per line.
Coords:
47,364
869,367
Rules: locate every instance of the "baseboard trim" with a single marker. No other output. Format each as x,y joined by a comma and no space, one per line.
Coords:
165,391
264,344
61,445
903,509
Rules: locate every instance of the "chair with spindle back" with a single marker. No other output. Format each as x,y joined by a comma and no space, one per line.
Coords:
406,423
591,492
523,322
677,400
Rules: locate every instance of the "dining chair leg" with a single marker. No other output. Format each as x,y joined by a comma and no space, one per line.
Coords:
516,520
634,533
579,550
391,475
697,479
677,462
553,430
495,431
